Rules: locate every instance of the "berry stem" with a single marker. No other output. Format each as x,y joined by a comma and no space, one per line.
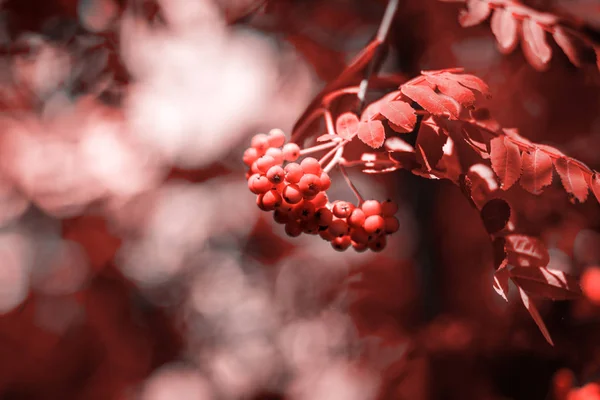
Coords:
350,184
336,150
314,149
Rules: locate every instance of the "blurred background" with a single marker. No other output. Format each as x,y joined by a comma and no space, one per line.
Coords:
134,263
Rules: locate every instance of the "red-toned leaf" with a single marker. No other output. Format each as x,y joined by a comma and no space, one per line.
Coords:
378,163
372,111
574,47
454,90
400,114
347,125
477,11
595,185
506,160
470,81
430,100
551,150
495,214
547,283
536,49
429,146
504,27
535,315
525,251
474,138
396,144
537,171
572,178
372,133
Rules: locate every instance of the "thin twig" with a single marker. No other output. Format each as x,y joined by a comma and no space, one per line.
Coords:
315,149
351,185
381,37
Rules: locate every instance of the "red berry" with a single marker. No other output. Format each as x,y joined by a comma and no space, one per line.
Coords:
356,218
310,227
342,209
293,172
285,206
293,228
359,247
250,155
341,243
590,284
259,184
371,207
291,152
309,185
391,225
374,224
275,174
268,201
326,235
292,194
277,154
281,217
378,244
359,235
338,227
254,168
320,200
310,165
325,181
389,208
323,216
276,138
260,142
264,163
304,210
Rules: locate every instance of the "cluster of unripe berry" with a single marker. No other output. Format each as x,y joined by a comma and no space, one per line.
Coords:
296,195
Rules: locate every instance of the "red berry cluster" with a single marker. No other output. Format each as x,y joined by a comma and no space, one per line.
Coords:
296,195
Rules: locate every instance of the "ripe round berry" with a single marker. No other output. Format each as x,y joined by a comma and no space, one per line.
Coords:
291,152
268,201
250,155
293,228
277,154
320,200
325,181
281,217
323,216
342,209
285,206
310,227
590,284
371,207
338,227
293,172
359,247
356,218
259,184
391,225
304,210
341,243
378,244
292,194
374,224
264,163
309,185
388,208
275,174
276,138
260,142
254,168
359,235
310,165
326,235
